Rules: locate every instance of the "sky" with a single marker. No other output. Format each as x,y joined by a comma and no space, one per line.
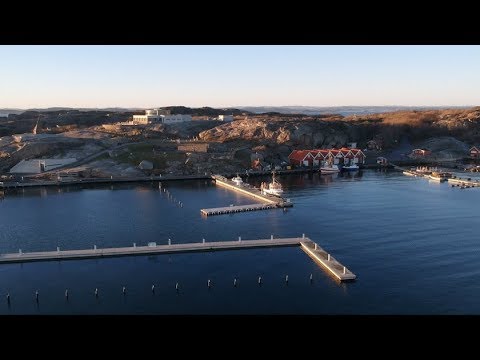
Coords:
234,75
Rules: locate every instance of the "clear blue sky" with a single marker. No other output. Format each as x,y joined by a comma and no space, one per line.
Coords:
221,76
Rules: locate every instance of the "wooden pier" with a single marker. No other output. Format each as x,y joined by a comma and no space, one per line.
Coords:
333,266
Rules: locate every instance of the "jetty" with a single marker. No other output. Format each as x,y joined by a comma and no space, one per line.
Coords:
236,208
267,201
464,183
333,267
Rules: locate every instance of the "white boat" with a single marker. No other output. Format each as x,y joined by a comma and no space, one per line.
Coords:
351,167
237,180
329,169
272,188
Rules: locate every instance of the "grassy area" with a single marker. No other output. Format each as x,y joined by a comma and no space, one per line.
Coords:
138,152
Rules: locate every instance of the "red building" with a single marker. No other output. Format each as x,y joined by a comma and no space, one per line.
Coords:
474,152
301,158
318,157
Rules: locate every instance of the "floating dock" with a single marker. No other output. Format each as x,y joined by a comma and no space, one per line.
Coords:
327,261
269,201
312,249
463,183
236,209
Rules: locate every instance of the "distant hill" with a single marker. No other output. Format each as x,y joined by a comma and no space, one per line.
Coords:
205,111
341,110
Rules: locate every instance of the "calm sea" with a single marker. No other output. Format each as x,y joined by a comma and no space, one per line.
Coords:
412,243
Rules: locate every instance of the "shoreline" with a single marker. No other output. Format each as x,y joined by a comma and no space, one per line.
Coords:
111,180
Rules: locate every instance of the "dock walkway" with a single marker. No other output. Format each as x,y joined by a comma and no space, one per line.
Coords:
268,201
236,209
312,249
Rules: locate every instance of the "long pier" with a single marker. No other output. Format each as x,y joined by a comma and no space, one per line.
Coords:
312,249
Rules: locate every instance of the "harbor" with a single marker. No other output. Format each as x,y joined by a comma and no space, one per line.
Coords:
39,220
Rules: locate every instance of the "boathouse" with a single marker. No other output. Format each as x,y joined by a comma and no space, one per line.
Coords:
474,152
301,158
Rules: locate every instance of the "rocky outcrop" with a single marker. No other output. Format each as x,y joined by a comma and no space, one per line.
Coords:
303,133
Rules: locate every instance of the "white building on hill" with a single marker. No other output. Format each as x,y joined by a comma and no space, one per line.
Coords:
161,116
226,118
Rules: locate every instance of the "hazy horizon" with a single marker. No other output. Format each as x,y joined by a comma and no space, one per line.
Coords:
221,76
241,107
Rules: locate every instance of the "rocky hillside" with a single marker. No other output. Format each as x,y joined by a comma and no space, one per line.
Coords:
417,126
286,131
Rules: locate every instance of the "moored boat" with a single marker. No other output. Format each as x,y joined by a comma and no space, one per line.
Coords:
272,188
237,180
329,169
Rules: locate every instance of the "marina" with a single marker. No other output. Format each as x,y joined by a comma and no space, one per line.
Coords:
382,257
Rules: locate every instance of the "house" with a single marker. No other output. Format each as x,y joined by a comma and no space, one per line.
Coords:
321,157
474,152
358,156
419,153
226,118
382,161
301,158
161,116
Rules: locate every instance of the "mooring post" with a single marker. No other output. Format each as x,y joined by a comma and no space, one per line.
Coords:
344,270
96,292
208,283
239,238
259,280
203,240
286,279
328,257
153,288
271,237
36,296
66,294
20,251
235,282
95,247
311,277
169,241
176,286
8,298
303,236
134,245
124,290
58,249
